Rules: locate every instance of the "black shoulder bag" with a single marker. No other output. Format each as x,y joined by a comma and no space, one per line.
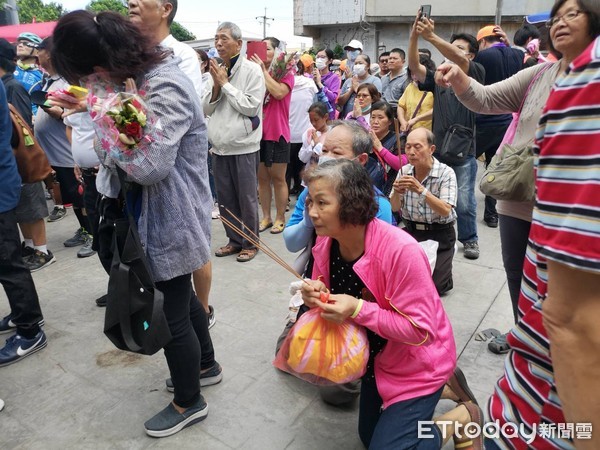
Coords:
459,140
134,319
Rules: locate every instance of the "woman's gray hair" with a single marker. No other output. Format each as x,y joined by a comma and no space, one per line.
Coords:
361,141
353,188
234,30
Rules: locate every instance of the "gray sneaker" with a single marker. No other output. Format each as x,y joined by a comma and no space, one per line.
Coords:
471,250
77,239
86,250
57,213
169,421
39,260
214,375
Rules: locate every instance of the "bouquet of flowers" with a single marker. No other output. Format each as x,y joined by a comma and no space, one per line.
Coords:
281,65
124,124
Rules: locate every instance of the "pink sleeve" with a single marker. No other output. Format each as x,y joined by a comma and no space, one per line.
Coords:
389,158
413,300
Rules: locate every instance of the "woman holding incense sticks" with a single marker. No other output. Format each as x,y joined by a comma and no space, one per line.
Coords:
379,277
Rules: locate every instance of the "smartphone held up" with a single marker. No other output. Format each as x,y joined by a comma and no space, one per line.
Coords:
425,11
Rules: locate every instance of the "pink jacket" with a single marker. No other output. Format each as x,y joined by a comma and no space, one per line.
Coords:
420,354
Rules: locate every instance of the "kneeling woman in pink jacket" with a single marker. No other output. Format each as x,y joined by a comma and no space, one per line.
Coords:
379,277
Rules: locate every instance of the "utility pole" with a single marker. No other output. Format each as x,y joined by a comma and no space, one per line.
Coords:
498,12
263,20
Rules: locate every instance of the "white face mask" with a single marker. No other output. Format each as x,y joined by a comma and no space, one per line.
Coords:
360,69
325,158
321,63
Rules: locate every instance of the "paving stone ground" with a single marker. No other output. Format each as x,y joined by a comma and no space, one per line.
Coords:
82,393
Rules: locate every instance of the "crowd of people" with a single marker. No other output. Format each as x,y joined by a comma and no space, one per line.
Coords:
380,161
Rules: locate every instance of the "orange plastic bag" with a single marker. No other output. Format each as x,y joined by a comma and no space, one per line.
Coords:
323,352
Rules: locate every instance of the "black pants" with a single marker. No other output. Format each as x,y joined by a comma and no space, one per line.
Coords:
16,279
294,168
90,200
191,345
69,186
514,234
446,238
488,141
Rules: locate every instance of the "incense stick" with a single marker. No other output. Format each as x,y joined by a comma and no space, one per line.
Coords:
257,238
256,241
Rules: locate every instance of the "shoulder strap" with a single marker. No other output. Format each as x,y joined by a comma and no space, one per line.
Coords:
416,111
533,81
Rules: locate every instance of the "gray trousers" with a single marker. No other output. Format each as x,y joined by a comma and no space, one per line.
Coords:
236,182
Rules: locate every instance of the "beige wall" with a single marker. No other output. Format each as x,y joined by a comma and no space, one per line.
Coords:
449,8
315,13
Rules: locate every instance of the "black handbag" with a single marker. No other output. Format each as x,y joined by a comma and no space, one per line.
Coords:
134,320
457,144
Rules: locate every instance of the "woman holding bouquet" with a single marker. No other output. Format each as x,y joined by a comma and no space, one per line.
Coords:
174,205
278,71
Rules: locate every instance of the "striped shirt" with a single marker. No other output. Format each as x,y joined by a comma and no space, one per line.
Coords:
566,229
441,182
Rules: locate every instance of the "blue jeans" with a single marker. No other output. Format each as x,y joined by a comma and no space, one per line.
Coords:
466,207
396,427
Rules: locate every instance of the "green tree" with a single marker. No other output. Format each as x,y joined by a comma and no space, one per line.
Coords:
178,31
181,33
338,52
30,9
108,5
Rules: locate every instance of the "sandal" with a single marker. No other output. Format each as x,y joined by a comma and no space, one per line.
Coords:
486,334
247,254
459,386
277,228
476,415
227,250
499,345
264,225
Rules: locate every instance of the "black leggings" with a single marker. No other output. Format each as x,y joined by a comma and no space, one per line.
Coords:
16,279
514,234
189,327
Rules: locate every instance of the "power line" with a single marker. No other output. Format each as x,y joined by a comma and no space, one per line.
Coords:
264,22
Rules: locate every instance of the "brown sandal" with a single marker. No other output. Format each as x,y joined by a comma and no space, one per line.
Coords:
227,250
247,254
476,415
459,386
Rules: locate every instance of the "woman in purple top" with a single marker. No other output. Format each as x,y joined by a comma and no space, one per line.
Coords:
275,144
326,81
